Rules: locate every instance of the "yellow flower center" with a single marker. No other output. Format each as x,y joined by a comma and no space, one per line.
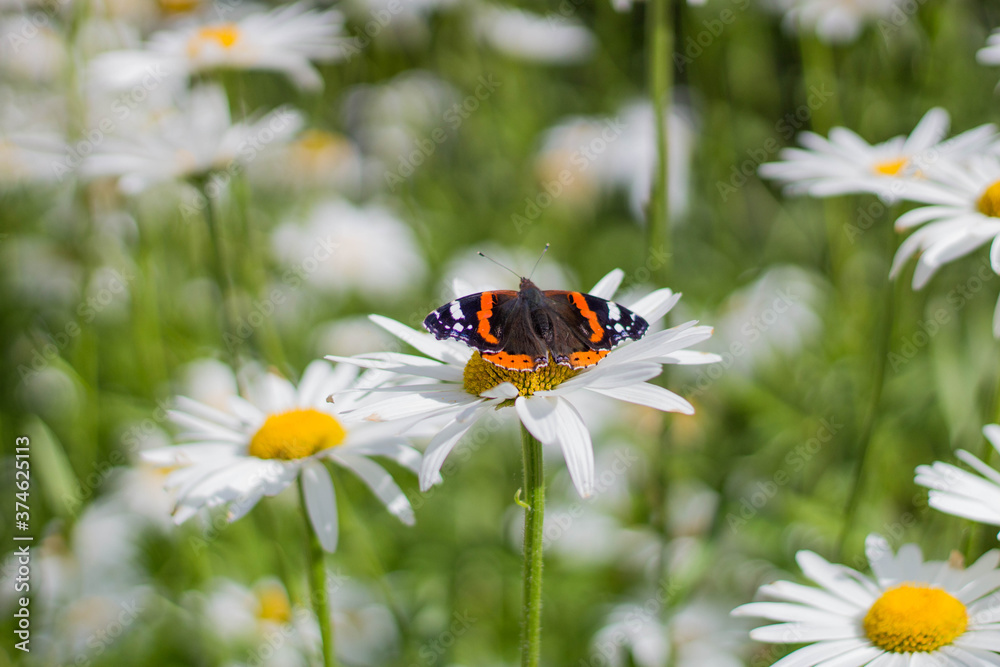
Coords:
296,434
913,618
989,201
480,375
890,167
178,6
272,603
222,34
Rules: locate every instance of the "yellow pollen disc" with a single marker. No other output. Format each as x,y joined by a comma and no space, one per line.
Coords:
296,434
890,167
223,34
178,6
912,618
989,201
480,375
273,604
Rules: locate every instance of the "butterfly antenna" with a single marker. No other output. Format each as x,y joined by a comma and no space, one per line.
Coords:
481,254
544,250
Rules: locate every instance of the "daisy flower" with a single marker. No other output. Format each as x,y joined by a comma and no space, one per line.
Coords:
845,163
962,214
196,138
964,494
262,445
911,612
990,54
833,21
552,39
468,388
283,40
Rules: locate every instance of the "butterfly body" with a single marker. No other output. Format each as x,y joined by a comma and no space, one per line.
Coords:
520,330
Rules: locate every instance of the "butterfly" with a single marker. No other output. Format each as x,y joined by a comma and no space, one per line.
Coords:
521,330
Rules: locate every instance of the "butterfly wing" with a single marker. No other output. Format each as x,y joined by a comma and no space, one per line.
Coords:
477,320
594,326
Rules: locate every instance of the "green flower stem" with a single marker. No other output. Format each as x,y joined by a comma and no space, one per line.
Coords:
660,39
318,591
534,485
219,266
881,336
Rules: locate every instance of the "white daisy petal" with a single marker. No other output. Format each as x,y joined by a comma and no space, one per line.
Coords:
555,421
321,504
382,485
608,285
649,395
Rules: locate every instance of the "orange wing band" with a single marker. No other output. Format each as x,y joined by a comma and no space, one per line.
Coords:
591,316
586,358
514,362
484,315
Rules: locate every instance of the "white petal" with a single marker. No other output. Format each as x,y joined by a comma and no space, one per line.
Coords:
655,305
608,285
382,485
437,451
649,395
426,343
554,420
321,503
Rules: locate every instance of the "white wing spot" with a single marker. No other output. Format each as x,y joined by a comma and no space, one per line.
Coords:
455,310
614,314
458,328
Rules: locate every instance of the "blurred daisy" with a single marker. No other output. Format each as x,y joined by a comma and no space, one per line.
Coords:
393,119
31,51
912,612
315,159
366,630
283,40
552,39
264,444
772,317
343,248
589,155
833,21
695,635
471,389
956,491
195,139
845,163
31,158
990,54
963,213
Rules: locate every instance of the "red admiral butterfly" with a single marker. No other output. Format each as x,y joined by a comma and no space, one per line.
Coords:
520,330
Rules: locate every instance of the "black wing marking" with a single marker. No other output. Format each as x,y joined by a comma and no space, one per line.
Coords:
476,319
